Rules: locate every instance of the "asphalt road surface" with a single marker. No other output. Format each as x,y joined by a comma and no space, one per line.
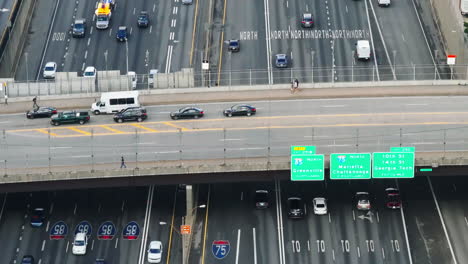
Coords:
414,234
180,36
333,125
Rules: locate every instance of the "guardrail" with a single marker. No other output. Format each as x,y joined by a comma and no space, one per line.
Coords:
142,148
70,83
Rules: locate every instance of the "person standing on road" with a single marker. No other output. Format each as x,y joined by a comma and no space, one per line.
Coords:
122,163
6,99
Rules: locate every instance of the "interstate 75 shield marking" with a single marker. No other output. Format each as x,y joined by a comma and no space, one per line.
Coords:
220,248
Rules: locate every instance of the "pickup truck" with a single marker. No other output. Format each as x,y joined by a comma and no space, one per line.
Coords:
69,117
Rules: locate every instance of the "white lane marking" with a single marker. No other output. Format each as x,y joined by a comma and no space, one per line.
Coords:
131,29
74,210
238,245
415,104
378,219
246,148
92,245
151,29
82,66
123,205
231,139
4,122
308,244
20,238
442,220
60,147
149,204
47,227
154,7
173,22
383,253
242,196
333,254
134,10
3,206
43,245
168,58
89,40
329,217
116,242
66,249
80,156
91,31
287,4
333,105
358,252
268,43
425,143
339,145
174,10
255,246
320,136
40,261
354,216
372,41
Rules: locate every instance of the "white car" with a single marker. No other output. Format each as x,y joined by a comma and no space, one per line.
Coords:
152,76
320,206
384,2
89,72
49,70
132,78
363,51
155,252
79,244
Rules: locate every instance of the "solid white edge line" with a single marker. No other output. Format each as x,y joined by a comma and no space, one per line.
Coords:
442,220
149,203
238,245
268,41
278,202
255,246
281,221
372,41
383,40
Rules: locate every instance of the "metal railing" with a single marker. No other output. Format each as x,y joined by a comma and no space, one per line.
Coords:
187,78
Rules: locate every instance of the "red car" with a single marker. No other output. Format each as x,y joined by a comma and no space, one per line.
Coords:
392,200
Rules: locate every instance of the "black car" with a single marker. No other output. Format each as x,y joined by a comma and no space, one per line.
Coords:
143,19
43,111
261,199
234,45
240,109
393,200
187,112
122,33
79,28
296,207
131,115
37,217
27,259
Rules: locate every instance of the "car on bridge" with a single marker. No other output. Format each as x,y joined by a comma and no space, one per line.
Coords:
69,117
240,110
296,208
131,114
42,111
281,61
187,112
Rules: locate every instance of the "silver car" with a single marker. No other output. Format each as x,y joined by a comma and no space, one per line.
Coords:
187,2
281,61
320,206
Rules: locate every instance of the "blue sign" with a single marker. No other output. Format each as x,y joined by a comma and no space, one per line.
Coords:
131,231
59,230
106,231
220,248
84,227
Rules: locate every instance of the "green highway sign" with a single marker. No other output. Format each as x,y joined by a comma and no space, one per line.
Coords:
302,150
307,167
402,149
393,165
349,166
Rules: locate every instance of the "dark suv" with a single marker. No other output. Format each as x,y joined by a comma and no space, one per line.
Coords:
296,208
122,34
131,114
143,19
261,199
79,28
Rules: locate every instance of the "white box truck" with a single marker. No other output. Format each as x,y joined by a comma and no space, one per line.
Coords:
113,102
363,50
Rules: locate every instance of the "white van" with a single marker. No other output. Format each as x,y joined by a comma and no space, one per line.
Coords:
132,79
152,77
114,102
363,50
79,244
384,2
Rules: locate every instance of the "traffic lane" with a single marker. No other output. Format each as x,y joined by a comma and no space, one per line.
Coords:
402,33
160,221
306,240
425,233
59,37
245,21
230,224
40,23
33,238
12,219
182,41
451,196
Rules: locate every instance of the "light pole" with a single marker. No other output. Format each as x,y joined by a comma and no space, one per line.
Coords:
126,54
27,72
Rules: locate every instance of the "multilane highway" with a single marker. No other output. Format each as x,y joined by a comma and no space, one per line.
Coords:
333,125
429,228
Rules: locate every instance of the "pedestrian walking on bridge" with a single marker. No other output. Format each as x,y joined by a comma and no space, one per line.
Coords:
122,163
